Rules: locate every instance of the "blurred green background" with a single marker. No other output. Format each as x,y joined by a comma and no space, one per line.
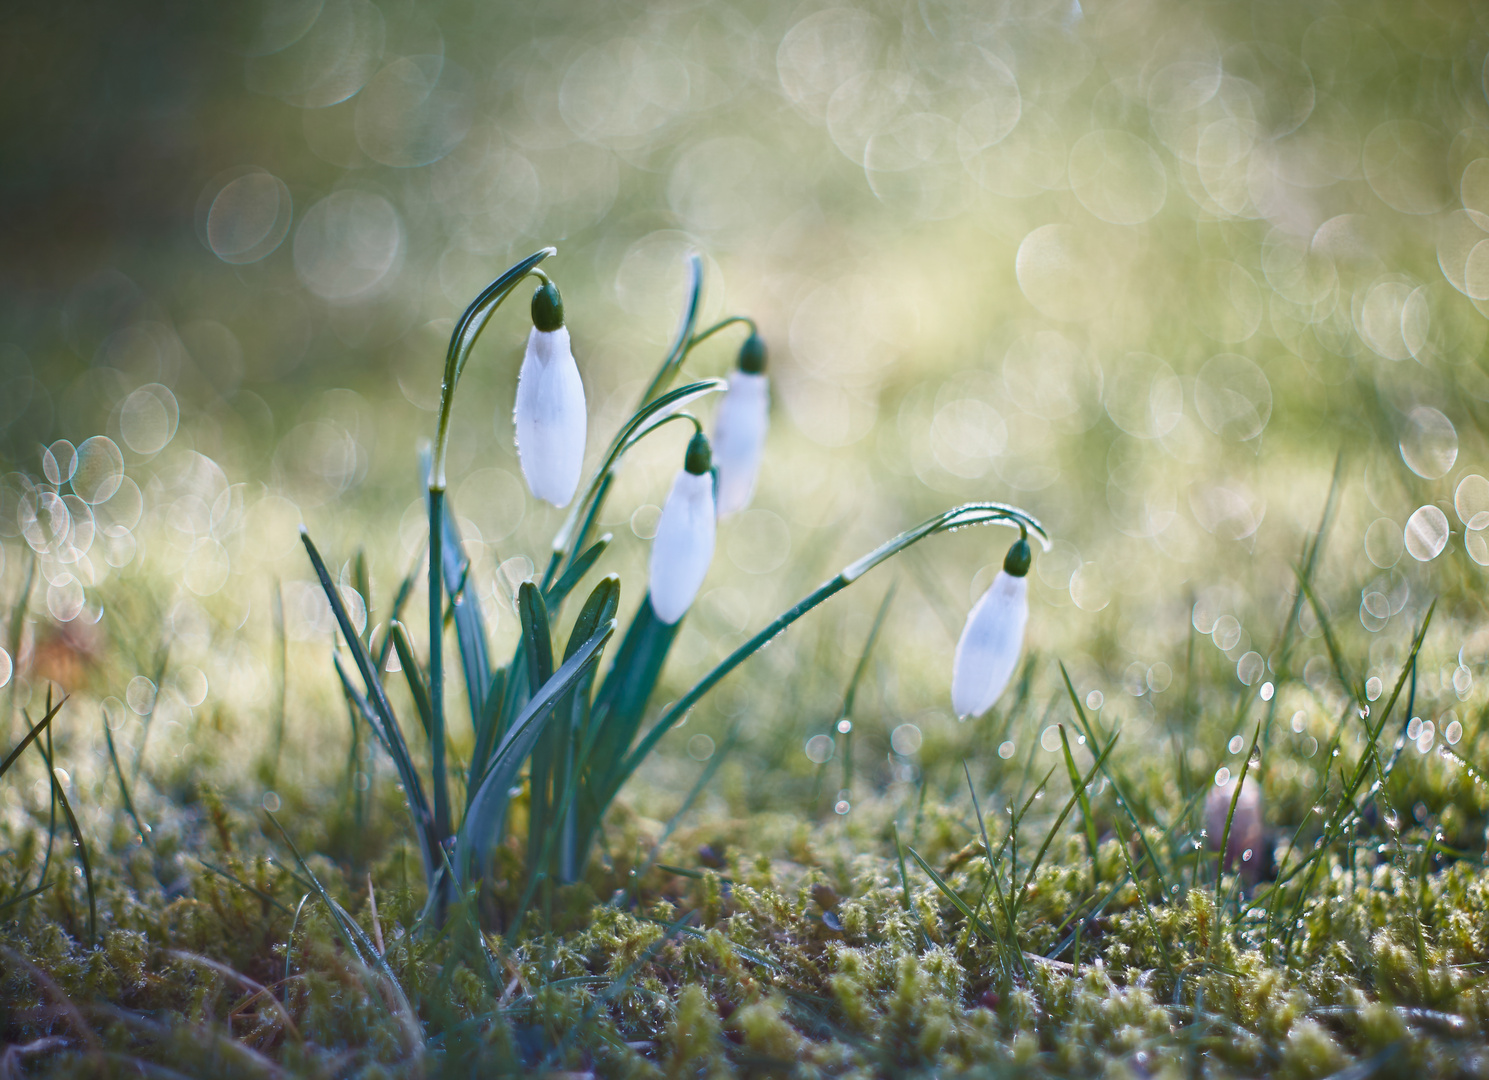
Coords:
1144,268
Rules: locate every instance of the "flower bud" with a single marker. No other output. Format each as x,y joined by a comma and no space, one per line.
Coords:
752,355
740,427
550,414
683,547
991,642
548,308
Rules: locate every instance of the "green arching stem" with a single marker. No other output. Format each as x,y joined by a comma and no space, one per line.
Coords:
956,518
463,339
570,536
702,336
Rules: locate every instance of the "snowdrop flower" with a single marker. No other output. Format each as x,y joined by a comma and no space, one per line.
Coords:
550,414
993,637
740,425
683,548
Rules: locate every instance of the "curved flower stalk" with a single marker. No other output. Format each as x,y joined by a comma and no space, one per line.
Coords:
988,650
550,413
740,426
683,547
959,517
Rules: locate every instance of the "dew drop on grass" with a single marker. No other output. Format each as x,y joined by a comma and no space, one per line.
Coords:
1235,744
905,739
271,801
1006,750
1426,533
844,726
6,667
1429,444
140,694
842,806
1222,776
59,461
99,471
148,419
1094,701
819,749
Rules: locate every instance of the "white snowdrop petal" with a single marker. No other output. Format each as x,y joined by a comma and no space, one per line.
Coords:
990,645
740,426
550,417
683,547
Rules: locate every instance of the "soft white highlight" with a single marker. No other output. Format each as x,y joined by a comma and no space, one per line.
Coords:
683,547
740,425
990,645
550,417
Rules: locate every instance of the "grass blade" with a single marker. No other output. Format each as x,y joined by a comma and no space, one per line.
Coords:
1122,799
31,735
1069,805
140,826
950,894
1085,802
429,841
77,839
21,898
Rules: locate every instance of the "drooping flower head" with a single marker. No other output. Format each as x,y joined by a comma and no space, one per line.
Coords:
740,426
683,547
550,414
989,648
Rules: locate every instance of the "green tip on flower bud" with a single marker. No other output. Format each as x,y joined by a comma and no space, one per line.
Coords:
548,308
752,355
1016,562
700,455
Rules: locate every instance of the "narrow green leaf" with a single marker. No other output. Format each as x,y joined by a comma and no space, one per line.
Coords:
412,674
429,842
537,639
488,805
554,595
